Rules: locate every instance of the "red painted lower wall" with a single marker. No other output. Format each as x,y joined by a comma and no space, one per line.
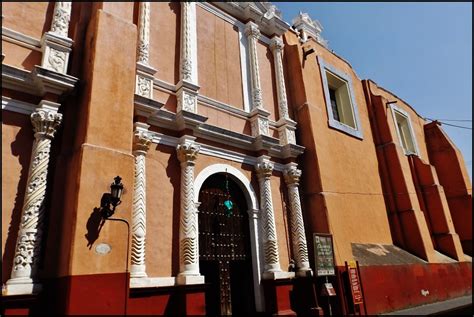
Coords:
394,287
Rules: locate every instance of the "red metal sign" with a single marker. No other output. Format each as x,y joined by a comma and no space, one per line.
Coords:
355,283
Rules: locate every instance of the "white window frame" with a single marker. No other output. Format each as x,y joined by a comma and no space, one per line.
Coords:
324,68
397,110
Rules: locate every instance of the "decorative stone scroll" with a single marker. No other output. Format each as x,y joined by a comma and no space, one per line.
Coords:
142,141
187,151
308,28
45,122
55,44
300,250
264,170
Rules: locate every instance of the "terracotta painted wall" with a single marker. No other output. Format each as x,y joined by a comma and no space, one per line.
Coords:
219,70
267,79
348,167
17,139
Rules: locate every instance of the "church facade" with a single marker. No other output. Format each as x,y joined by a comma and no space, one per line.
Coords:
235,138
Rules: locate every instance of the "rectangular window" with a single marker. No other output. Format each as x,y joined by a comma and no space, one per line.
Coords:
404,130
341,106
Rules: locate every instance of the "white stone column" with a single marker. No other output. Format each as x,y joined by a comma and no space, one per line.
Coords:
187,151
264,170
187,87
145,73
142,140
259,116
300,250
286,127
55,44
23,278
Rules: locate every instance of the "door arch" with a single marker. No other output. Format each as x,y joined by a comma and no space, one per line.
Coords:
250,196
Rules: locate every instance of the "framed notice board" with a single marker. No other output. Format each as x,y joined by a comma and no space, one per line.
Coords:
323,254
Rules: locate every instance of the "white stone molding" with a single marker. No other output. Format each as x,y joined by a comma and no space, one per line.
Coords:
145,73
187,87
300,249
142,141
252,32
187,151
308,28
55,44
276,45
143,47
23,278
264,170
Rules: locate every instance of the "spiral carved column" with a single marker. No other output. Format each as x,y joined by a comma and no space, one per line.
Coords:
141,146
270,243
45,122
300,250
188,231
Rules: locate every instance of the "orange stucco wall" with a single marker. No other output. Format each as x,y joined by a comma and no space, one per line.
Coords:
267,79
17,139
164,40
352,194
219,69
163,208
35,17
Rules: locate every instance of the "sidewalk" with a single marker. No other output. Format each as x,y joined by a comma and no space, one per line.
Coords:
435,308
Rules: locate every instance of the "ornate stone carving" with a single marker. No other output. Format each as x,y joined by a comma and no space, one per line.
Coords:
264,170
142,140
252,32
61,16
286,135
188,31
276,45
187,101
56,60
259,125
45,123
144,87
189,253
308,27
143,32
292,176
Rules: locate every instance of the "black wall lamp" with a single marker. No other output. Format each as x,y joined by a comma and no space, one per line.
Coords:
110,201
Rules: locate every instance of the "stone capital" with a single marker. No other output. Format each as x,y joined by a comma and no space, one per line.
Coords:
45,122
276,44
292,175
187,152
264,167
251,30
141,141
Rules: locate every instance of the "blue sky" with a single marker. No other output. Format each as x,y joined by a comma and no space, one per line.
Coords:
422,52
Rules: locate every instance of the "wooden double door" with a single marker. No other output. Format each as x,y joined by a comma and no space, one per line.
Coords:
224,248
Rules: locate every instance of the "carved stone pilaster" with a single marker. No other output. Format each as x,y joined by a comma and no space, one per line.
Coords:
187,88
259,123
264,170
45,122
55,44
252,32
187,152
143,47
298,239
286,133
276,45
145,73
142,141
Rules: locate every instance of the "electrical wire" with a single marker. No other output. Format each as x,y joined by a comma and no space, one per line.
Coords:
449,124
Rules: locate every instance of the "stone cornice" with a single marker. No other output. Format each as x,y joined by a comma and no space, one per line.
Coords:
37,82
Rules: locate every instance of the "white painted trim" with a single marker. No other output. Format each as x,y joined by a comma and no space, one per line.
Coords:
222,106
405,114
253,206
244,69
21,39
357,131
141,282
209,150
165,85
17,106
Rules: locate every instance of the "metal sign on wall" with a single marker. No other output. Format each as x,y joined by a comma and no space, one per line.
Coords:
355,283
324,255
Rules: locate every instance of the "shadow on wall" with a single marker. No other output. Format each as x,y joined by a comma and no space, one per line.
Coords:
21,148
173,171
94,225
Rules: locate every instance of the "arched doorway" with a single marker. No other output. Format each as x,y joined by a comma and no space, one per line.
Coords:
224,247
